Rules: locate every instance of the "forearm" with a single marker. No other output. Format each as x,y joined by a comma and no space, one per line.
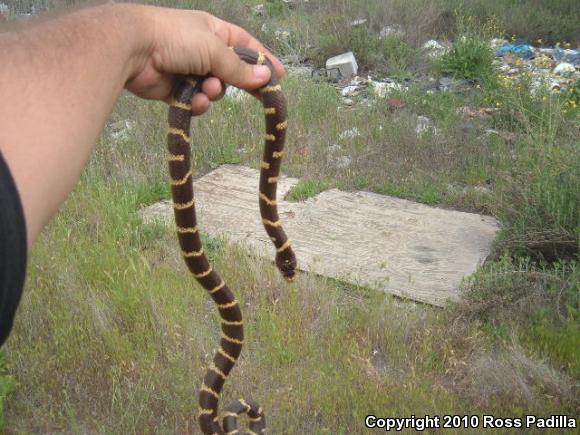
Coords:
58,83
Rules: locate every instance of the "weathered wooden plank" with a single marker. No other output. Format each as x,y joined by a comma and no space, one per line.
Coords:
405,248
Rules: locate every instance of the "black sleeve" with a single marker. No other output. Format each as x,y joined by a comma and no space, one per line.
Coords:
12,250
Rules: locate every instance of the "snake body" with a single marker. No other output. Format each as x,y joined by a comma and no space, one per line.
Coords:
178,141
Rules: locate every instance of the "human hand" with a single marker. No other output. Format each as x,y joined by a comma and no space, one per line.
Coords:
195,42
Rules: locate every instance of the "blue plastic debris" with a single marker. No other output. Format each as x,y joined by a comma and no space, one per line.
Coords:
570,56
522,50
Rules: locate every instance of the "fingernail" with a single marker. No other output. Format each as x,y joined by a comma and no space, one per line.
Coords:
261,72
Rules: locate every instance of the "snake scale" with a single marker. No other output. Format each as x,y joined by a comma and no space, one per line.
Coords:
178,142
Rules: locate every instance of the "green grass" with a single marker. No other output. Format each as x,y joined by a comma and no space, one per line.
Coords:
390,55
7,385
553,21
307,189
113,334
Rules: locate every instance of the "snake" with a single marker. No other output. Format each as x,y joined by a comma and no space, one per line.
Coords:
188,234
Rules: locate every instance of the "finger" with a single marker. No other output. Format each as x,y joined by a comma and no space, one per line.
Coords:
214,88
226,65
235,36
199,103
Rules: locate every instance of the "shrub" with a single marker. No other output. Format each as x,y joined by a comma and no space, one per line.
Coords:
539,304
471,56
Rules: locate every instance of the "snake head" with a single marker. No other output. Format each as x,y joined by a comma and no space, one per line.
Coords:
286,264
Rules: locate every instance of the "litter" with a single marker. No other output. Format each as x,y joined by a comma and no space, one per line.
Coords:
522,50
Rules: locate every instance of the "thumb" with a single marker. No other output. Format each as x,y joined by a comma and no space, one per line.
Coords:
227,66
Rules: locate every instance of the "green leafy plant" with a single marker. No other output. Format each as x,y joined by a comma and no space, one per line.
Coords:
471,55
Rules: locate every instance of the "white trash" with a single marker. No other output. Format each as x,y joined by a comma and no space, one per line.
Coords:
349,91
383,89
564,69
349,134
358,22
342,66
435,49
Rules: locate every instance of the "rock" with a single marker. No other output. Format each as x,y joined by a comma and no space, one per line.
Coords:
565,69
349,134
342,66
348,101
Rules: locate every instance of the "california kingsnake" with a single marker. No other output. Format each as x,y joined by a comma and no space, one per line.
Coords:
180,171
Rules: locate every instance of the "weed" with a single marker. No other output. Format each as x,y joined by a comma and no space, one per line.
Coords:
471,55
536,302
541,213
307,189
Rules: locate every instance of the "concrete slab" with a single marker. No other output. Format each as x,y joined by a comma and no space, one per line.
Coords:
402,247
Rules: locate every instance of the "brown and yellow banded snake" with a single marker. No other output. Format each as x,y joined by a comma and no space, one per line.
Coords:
178,142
